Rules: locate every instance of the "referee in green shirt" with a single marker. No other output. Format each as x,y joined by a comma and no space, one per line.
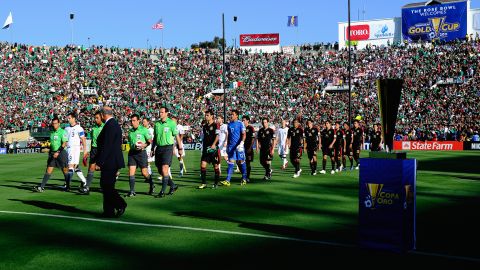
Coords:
93,151
165,132
58,156
138,139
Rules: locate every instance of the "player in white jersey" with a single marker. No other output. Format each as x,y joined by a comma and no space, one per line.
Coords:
222,140
181,133
76,138
281,142
146,124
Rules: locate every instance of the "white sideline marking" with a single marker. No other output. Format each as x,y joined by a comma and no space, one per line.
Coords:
421,253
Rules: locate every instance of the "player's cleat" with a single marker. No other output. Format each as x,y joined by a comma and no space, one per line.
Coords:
160,195
214,186
38,189
341,168
66,188
160,178
202,186
131,194
84,191
172,190
351,168
243,182
314,173
82,185
323,172
344,169
296,175
225,183
180,174
332,172
336,170
358,167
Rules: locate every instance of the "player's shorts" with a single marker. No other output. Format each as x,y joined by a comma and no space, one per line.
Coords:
296,153
234,154
223,150
374,147
73,155
137,158
265,155
175,151
282,151
349,151
311,152
213,158
60,162
327,151
356,147
93,155
163,155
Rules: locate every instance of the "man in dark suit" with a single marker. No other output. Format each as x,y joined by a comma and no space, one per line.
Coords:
109,161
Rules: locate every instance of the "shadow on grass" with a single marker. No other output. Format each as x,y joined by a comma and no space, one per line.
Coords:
460,164
55,206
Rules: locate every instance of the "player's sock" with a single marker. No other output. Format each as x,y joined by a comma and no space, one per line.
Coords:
149,169
45,180
165,183
203,173
180,162
80,175
217,176
268,169
243,170
89,179
171,183
249,169
344,162
324,164
284,161
68,178
333,164
169,172
230,170
315,166
131,181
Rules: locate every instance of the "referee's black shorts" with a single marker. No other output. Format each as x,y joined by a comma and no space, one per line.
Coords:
163,155
60,162
93,155
138,158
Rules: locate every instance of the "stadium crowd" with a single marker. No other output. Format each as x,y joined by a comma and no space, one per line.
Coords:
440,99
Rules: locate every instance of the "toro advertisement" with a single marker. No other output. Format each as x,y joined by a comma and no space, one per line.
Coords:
444,22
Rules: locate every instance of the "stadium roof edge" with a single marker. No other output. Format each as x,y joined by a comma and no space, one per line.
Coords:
426,3
372,20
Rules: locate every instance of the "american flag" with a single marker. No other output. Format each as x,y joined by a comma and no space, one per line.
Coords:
158,25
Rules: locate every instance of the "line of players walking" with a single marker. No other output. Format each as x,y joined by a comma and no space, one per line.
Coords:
233,142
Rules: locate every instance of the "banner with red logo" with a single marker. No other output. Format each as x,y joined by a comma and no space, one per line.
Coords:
358,32
259,39
428,145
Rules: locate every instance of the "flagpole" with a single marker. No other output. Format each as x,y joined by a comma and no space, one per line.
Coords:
162,31
223,71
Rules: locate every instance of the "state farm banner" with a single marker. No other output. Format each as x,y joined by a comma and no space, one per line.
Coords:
428,145
259,39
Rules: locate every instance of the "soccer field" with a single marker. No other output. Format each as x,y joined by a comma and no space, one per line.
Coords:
285,221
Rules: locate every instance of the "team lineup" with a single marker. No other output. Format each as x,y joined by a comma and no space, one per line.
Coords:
235,143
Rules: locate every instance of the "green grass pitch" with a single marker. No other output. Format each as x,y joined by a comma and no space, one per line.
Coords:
279,223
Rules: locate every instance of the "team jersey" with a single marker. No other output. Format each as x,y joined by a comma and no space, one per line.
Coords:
57,138
376,137
210,132
339,135
150,132
348,137
328,135
165,132
235,131
95,132
282,134
357,135
75,133
311,137
250,136
296,137
222,136
140,134
265,137
180,129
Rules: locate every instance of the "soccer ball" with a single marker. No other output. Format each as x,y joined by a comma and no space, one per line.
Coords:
139,145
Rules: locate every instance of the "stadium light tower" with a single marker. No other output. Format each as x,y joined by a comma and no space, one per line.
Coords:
349,71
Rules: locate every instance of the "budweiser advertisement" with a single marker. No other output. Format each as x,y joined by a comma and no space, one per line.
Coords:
428,145
259,39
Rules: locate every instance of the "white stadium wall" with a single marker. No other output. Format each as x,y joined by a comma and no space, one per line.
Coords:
373,32
474,22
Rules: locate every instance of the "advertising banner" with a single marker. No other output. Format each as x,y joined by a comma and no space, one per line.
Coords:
428,145
387,197
259,39
27,150
382,29
444,22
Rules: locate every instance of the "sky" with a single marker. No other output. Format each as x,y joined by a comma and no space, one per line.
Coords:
129,23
